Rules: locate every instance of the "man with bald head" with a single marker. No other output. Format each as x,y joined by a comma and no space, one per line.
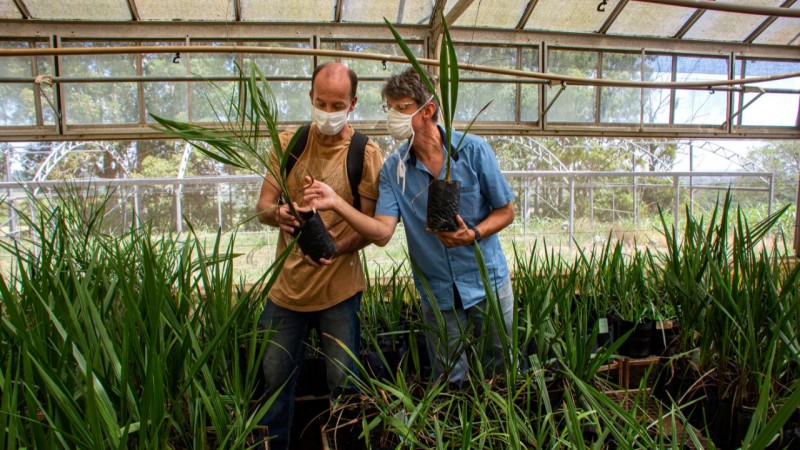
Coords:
325,295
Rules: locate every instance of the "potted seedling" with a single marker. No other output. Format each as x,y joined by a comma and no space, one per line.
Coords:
247,137
444,195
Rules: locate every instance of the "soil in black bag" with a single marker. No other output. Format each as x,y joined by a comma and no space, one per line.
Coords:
314,239
444,198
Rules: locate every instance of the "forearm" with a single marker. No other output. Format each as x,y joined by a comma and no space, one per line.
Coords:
371,229
497,220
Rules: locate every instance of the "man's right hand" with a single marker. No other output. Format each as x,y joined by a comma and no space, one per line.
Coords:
319,195
285,220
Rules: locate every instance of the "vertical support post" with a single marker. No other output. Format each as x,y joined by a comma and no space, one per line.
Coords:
635,191
771,193
797,220
12,217
178,209
675,205
525,208
571,209
591,201
691,178
219,205
136,206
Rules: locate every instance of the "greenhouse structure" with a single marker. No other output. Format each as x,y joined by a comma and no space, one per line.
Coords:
651,151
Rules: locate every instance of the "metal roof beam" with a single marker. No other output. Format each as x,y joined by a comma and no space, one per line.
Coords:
146,31
526,15
730,7
23,9
133,10
766,23
612,17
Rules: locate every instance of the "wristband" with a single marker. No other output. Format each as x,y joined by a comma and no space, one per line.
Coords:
477,235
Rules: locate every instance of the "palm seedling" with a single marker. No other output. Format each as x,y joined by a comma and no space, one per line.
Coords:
247,137
443,195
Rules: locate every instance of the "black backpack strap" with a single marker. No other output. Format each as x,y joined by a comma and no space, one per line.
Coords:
355,159
355,164
299,147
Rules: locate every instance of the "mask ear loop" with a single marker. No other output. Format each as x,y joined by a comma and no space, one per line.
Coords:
401,167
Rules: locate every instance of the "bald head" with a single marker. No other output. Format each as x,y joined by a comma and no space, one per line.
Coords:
336,72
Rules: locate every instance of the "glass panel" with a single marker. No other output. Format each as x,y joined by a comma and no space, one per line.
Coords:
44,65
79,9
100,103
397,11
694,107
166,99
657,101
472,97
568,15
160,64
288,10
8,10
726,26
368,68
770,109
281,65
210,101
212,64
495,14
782,32
529,108
500,57
650,19
212,10
293,100
99,66
369,102
621,105
576,103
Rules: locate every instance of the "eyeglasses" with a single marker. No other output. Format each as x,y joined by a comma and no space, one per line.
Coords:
399,107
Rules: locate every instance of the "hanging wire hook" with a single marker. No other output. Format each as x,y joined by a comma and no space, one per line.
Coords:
383,64
177,58
601,6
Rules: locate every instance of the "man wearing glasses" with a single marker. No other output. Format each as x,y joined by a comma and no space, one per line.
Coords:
445,260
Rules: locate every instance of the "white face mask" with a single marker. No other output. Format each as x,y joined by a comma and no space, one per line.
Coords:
399,124
329,123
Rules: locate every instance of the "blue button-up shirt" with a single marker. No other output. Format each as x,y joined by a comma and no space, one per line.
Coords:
483,188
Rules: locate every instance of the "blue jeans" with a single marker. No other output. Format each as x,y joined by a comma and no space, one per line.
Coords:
448,353
286,350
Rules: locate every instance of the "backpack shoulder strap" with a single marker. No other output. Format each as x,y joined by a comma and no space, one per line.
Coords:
355,164
299,147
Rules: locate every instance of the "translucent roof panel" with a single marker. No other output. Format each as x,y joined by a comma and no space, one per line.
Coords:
650,19
415,12
784,31
112,10
490,13
568,15
211,10
726,26
8,10
288,10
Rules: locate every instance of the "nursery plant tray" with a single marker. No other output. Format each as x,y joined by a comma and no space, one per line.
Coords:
655,415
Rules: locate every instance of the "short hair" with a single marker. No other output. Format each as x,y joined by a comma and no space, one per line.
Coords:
350,73
408,84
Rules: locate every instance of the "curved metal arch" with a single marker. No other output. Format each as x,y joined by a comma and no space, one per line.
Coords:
742,161
62,149
540,151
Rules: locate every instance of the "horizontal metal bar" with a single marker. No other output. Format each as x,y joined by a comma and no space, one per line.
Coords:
577,81
256,179
741,8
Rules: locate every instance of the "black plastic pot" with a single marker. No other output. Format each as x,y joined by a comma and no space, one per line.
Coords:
638,343
314,240
444,198
664,340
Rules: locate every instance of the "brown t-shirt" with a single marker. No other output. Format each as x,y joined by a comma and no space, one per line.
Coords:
300,286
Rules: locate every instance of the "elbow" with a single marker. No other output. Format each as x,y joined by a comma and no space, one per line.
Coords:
382,241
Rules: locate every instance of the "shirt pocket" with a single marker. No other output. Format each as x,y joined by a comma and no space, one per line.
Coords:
471,204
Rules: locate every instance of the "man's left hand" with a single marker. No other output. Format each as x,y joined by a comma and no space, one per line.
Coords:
461,236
